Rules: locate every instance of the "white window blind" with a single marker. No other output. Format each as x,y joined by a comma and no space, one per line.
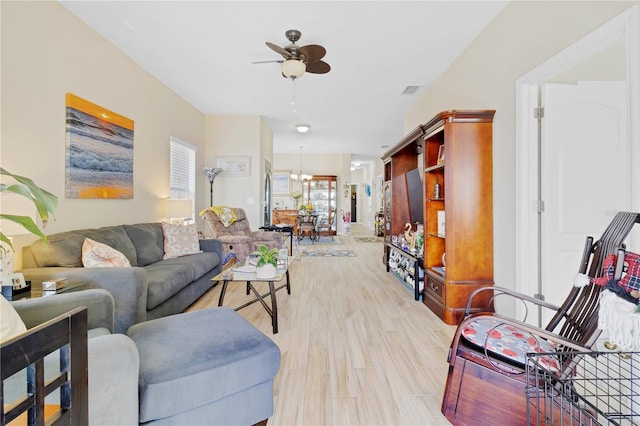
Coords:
182,170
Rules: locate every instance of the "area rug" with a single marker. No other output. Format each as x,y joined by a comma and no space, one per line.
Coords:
327,253
368,239
322,240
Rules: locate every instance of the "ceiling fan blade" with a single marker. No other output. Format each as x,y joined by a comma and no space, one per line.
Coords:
269,61
319,67
312,53
279,50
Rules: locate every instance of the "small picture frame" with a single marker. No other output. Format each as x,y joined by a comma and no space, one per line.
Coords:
441,155
16,281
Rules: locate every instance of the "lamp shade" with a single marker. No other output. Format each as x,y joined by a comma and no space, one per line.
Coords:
178,209
293,68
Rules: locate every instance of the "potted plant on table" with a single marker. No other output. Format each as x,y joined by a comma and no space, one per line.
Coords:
267,262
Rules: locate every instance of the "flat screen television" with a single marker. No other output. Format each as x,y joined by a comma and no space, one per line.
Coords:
414,191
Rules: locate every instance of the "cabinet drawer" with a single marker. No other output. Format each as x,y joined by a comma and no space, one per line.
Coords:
435,289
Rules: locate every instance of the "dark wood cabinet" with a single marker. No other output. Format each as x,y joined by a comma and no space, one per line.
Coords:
462,141
398,162
453,150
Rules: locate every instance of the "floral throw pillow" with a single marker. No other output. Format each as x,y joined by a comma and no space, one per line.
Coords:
99,255
180,240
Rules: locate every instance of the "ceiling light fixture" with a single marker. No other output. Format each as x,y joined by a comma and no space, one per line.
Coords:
293,68
303,128
300,177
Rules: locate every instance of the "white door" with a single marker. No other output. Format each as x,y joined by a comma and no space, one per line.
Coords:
585,174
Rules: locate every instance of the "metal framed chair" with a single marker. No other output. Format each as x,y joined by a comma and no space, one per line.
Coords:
486,377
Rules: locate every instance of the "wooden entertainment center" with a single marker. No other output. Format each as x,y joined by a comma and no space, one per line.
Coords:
454,151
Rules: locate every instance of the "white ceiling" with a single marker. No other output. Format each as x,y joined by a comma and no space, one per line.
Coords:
203,51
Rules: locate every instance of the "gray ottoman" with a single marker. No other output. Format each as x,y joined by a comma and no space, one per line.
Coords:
204,367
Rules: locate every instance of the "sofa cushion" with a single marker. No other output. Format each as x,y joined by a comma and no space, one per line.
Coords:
98,255
148,240
165,280
65,249
199,263
192,359
169,276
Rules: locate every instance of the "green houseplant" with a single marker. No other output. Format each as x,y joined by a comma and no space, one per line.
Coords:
44,201
267,261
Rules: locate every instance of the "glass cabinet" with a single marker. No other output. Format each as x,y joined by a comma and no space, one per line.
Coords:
320,191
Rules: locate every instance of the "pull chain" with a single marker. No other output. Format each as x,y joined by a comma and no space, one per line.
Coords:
293,95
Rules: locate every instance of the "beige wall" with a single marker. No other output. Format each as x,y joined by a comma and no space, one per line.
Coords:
47,52
316,164
521,37
239,135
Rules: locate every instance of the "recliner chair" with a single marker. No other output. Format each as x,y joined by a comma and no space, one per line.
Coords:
237,236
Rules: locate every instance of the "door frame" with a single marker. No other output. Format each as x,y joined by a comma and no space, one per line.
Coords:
624,27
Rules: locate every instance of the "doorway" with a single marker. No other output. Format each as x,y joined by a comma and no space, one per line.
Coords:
354,203
551,159
266,217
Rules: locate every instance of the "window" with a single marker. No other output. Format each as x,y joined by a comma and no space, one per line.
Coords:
182,171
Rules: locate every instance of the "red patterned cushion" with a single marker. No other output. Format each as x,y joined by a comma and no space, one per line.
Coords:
509,342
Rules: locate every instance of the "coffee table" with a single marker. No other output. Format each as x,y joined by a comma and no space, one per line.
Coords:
36,291
236,275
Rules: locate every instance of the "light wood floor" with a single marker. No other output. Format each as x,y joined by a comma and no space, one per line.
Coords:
356,348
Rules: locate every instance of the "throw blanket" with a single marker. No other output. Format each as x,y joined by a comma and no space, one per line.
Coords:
227,215
622,321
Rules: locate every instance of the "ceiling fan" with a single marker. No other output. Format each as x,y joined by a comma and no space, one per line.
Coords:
299,59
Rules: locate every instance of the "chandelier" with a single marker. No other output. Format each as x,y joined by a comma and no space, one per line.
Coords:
300,177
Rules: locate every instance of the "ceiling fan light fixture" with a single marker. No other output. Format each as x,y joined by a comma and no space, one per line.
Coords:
303,128
293,68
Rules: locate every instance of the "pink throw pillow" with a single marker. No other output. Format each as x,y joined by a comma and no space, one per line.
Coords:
99,255
180,240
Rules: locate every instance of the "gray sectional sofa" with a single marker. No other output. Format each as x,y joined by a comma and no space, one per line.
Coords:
152,288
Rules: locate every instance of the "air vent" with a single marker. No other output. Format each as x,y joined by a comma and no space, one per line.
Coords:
410,90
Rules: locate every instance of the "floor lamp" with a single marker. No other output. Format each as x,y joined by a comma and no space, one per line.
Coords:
211,175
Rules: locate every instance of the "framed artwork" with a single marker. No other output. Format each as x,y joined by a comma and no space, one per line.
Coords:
99,154
281,183
234,166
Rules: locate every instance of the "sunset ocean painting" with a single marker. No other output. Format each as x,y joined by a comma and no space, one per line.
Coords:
99,152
